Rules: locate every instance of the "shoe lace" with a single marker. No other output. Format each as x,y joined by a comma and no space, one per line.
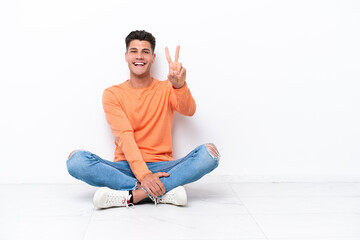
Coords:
114,199
169,196
156,201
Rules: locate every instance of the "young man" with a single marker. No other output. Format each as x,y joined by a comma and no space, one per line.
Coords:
140,112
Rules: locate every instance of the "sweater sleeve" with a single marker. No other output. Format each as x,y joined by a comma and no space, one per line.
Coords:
182,101
124,134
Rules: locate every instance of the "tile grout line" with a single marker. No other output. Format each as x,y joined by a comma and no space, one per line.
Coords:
248,211
87,225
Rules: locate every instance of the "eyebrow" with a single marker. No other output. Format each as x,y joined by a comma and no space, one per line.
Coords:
148,49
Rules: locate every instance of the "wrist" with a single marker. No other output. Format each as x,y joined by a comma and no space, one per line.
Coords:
143,177
178,87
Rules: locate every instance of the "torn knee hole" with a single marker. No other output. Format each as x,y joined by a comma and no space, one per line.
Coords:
213,150
73,153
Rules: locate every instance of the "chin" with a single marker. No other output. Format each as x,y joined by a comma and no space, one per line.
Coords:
141,75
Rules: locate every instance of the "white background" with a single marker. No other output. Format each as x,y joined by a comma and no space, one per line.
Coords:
276,83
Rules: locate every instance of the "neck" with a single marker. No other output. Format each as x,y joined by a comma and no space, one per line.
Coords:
140,81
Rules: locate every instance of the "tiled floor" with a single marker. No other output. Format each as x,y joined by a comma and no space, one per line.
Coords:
300,211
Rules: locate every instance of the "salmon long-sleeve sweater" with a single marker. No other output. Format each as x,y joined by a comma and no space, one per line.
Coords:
141,121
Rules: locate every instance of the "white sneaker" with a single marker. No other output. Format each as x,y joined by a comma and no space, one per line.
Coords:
105,197
176,196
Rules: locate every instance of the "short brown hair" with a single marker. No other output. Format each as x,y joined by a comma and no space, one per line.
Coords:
142,36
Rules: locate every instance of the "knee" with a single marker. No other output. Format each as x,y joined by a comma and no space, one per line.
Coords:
210,157
73,153
76,162
213,151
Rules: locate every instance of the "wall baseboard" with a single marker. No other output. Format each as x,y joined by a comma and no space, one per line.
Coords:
280,178
212,178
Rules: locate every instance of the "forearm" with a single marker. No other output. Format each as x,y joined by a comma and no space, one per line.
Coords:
124,134
185,102
133,155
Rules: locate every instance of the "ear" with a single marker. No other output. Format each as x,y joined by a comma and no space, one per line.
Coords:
154,56
126,59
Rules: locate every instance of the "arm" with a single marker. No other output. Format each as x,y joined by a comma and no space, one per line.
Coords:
181,99
124,135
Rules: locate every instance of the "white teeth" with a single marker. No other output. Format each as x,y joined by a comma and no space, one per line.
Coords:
142,64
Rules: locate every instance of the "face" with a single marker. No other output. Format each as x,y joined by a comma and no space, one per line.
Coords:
139,57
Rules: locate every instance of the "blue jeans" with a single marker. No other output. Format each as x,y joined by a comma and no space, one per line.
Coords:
92,169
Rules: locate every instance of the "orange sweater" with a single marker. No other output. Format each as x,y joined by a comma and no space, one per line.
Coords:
141,121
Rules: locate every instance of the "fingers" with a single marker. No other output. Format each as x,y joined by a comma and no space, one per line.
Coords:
167,55
177,53
153,185
155,190
175,68
179,67
162,174
178,74
182,73
160,186
152,189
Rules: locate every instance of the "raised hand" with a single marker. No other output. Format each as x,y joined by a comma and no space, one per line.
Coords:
177,74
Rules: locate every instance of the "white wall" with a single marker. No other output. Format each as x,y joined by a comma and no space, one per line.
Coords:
276,83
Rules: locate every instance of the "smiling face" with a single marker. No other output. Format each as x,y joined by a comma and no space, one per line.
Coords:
139,57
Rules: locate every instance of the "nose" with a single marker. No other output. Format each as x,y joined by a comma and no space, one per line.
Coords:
139,55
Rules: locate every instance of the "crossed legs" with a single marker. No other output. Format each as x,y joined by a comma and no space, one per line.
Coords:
118,176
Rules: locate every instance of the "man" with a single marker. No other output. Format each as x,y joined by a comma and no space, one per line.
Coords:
140,113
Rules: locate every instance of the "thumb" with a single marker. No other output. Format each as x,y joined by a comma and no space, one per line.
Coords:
163,174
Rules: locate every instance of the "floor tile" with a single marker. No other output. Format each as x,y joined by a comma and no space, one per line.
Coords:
209,189
44,228
44,211
296,189
212,198
213,212
294,226
274,211
175,226
301,205
40,200
318,238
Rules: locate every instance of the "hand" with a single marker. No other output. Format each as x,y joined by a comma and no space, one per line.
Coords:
177,74
152,184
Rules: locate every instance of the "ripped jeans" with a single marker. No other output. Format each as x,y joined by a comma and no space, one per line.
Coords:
90,168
